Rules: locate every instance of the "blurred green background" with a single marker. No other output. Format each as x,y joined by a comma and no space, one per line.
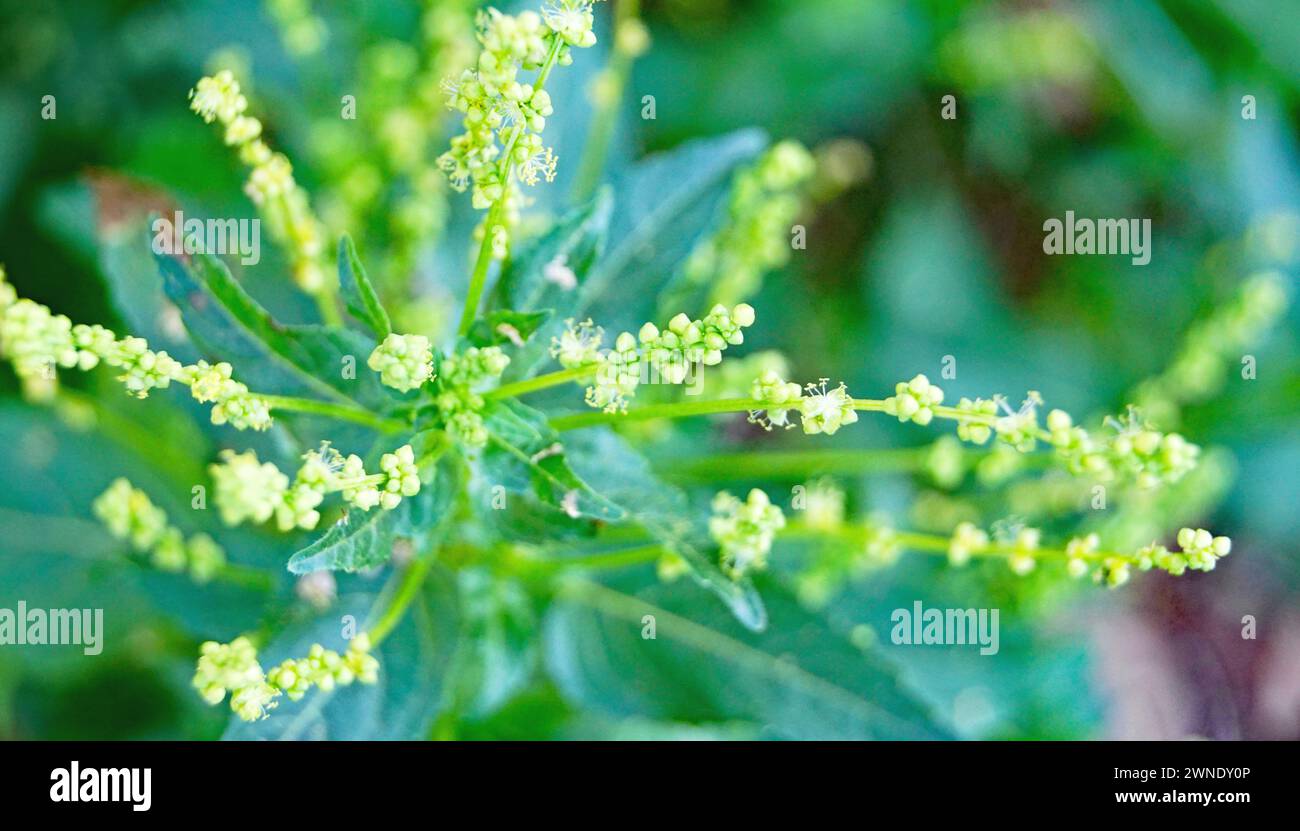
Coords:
1110,109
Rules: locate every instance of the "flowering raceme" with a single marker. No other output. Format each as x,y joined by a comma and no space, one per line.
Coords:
251,491
270,185
129,515
36,341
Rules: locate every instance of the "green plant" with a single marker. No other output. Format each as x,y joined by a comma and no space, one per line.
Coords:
518,512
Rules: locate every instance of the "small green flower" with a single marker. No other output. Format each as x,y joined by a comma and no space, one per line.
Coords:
1024,544
823,411
205,557
967,539
130,515
169,553
403,477
914,400
771,388
824,508
617,377
978,427
226,667
404,362
744,530
247,489
578,345
1079,549
1201,549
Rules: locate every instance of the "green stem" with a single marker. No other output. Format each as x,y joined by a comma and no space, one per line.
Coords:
607,559
795,463
339,411
938,544
541,382
481,264
478,278
674,410
407,588
735,405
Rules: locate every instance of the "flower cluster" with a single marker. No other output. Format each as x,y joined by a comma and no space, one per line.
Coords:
504,118
37,341
324,668
461,379
914,400
233,668
772,389
668,356
404,362
231,401
270,185
744,530
967,539
1132,448
1201,551
766,199
249,490
823,505
1214,343
129,515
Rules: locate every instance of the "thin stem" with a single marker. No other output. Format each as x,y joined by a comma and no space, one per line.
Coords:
607,559
939,544
795,463
339,411
541,382
481,264
478,278
737,405
673,410
408,587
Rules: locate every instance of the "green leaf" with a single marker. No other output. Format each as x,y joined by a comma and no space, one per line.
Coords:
487,330
622,474
268,355
499,636
359,293
577,241
799,680
524,455
663,206
401,705
362,539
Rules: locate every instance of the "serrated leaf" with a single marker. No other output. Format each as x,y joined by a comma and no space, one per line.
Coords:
362,539
663,206
228,323
614,468
401,705
576,242
524,455
799,680
359,293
